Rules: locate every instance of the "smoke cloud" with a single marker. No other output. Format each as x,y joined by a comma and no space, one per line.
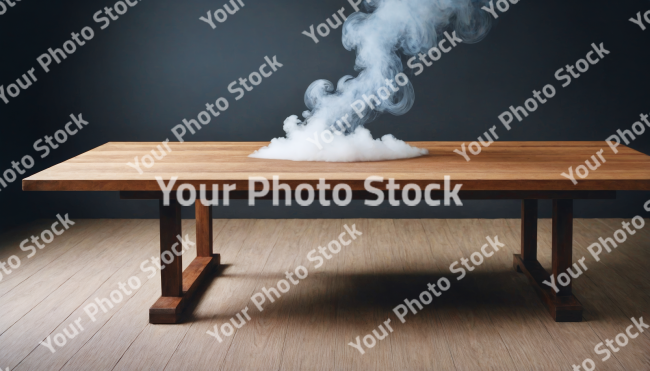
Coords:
333,129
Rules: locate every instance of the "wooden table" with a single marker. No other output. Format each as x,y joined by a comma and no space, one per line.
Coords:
528,171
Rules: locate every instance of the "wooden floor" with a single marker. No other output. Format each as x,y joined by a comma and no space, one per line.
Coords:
490,320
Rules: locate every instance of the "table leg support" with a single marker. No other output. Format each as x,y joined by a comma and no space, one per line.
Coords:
170,227
529,210
563,306
178,287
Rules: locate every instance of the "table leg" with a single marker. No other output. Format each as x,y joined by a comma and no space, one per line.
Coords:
170,227
203,230
563,306
529,230
178,287
562,241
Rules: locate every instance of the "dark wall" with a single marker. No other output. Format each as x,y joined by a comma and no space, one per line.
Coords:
158,64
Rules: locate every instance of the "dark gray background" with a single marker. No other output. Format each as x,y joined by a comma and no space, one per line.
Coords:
159,64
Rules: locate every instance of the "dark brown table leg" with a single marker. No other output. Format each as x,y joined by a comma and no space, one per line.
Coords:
529,230
178,287
563,306
567,307
562,241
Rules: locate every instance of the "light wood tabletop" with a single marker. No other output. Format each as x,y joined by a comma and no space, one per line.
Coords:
532,166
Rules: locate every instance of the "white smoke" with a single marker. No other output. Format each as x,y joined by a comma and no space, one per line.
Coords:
391,28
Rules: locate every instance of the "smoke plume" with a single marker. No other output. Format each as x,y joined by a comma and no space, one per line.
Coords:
333,129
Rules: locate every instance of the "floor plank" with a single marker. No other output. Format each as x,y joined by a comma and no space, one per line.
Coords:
51,252
420,343
261,340
511,308
609,309
313,307
109,344
625,258
10,239
490,320
583,347
474,340
32,291
355,314
140,248
154,346
77,288
230,294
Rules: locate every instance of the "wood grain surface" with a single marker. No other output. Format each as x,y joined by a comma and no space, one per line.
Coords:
501,166
490,320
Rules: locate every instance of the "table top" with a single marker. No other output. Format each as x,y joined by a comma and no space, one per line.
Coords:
501,166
